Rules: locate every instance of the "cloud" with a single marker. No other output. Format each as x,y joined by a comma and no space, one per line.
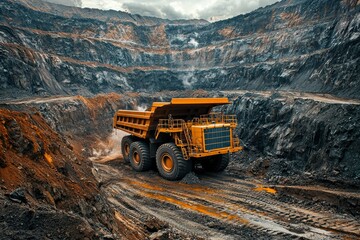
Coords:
73,3
223,9
179,9
155,10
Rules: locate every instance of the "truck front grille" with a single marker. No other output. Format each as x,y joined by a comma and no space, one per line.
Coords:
217,138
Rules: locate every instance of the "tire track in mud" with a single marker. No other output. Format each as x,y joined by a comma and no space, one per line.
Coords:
220,208
230,208
322,220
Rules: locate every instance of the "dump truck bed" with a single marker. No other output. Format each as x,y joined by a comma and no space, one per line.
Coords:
143,124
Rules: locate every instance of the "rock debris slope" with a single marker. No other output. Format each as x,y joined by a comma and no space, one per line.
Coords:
47,190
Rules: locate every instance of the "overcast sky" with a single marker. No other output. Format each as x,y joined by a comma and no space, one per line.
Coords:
211,10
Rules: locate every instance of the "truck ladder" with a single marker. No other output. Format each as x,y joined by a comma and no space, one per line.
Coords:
187,135
180,131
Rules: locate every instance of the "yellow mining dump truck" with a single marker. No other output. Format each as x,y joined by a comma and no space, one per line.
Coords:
177,134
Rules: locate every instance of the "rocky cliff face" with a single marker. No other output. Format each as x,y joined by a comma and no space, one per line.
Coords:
314,135
299,45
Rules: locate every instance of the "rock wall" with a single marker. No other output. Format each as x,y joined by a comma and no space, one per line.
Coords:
311,136
310,46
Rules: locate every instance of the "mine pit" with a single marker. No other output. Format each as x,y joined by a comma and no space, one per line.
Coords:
282,79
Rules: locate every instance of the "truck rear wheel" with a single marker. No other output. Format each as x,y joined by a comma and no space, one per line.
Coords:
171,163
216,163
125,147
140,156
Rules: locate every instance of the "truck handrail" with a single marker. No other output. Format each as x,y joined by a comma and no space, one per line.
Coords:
216,118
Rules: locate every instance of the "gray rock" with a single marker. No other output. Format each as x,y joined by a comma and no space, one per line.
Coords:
190,178
18,195
158,235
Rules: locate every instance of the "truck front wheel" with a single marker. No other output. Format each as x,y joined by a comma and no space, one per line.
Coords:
140,156
126,141
216,163
171,163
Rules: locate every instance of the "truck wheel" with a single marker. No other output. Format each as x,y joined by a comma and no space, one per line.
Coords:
125,147
140,156
216,163
171,163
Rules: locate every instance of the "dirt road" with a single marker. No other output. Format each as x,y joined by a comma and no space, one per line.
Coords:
317,97
219,207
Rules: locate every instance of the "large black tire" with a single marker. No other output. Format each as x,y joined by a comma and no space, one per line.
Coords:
171,163
140,156
216,163
125,147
